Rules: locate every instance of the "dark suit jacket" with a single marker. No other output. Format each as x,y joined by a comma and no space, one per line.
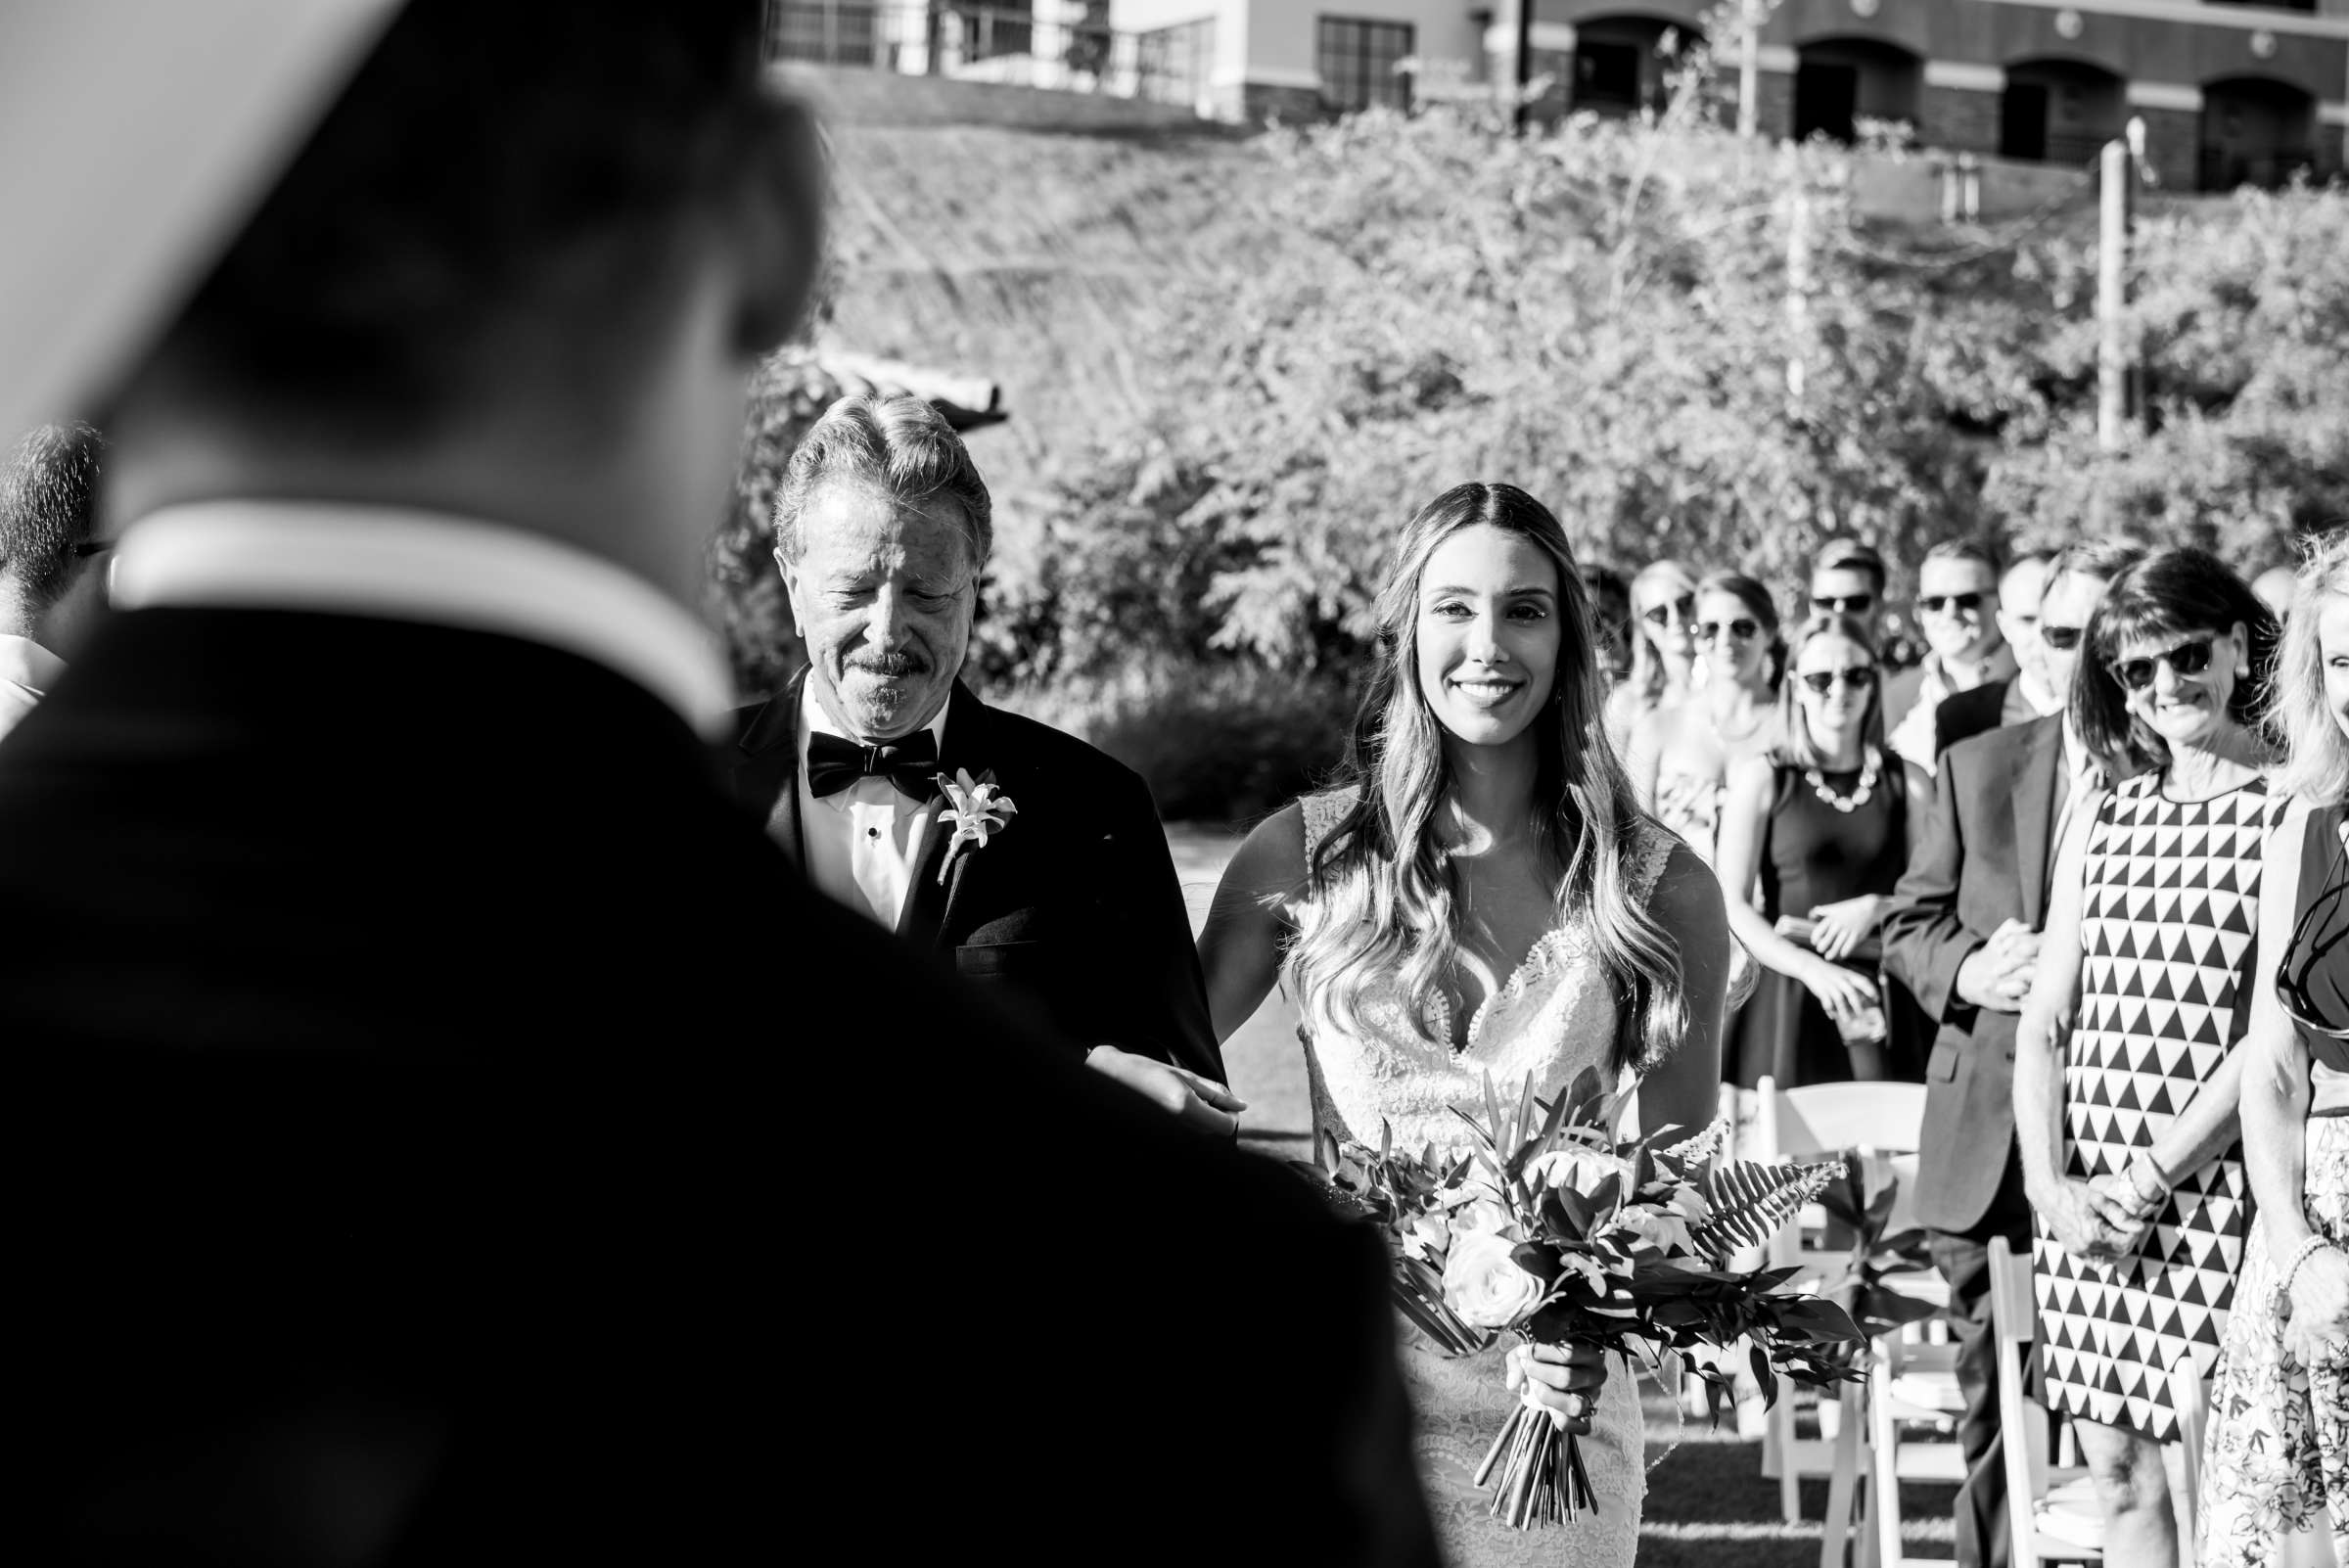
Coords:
425,1154
1971,712
1981,860
1071,911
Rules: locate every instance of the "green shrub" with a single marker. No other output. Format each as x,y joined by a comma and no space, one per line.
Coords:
1222,744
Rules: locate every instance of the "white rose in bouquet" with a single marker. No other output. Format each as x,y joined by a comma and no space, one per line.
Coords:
1427,1236
1483,1283
1484,1217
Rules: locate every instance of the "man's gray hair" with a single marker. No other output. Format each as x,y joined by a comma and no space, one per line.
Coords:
899,444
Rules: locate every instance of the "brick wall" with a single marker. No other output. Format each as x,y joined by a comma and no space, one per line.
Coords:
848,96
1960,118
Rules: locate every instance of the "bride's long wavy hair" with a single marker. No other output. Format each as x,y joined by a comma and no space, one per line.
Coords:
1381,896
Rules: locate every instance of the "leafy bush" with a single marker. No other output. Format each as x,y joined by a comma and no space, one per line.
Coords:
1226,743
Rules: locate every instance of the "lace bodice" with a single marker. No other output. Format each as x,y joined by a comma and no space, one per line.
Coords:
1555,1017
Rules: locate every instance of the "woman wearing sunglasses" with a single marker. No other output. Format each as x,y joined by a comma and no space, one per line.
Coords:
2126,1073
1680,754
1663,646
1816,830
2275,1468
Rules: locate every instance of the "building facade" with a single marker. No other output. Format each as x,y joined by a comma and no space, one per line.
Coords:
2231,92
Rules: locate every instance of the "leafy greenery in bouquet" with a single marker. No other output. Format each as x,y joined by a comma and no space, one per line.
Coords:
1544,1227
1859,1198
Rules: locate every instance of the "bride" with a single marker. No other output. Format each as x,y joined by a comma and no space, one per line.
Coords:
1484,896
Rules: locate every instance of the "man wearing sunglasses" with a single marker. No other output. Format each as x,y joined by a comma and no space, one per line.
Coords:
2029,695
1847,578
51,584
1957,610
1962,935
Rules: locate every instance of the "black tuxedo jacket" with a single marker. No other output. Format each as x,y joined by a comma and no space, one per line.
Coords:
405,1176
1971,713
1983,859
1071,912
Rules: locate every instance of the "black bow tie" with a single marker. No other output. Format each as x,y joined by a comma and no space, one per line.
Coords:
834,762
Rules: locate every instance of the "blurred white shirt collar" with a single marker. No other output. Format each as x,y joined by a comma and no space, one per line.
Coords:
26,672
400,564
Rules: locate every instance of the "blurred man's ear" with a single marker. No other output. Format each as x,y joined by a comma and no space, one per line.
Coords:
779,221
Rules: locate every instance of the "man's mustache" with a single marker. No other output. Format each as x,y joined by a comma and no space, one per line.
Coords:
890,667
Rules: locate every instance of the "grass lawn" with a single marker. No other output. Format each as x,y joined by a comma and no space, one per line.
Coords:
1708,1503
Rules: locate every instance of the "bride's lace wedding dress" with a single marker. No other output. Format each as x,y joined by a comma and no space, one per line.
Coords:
1555,1017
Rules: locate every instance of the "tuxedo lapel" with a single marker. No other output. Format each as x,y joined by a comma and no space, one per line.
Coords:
2035,803
766,768
929,903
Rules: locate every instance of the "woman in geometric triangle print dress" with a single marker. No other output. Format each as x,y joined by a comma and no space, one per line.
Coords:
1482,895
2126,1073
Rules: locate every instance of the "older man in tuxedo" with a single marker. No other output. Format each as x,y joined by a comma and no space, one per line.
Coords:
868,770
460,1136
1962,935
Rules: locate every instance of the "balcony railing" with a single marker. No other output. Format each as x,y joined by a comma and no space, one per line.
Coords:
996,44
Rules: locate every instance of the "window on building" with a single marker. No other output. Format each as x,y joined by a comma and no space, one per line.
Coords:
1357,59
1172,62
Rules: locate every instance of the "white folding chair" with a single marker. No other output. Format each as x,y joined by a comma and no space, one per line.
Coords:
1909,1379
2050,1515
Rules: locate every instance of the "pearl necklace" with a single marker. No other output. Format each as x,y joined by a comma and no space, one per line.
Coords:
1846,803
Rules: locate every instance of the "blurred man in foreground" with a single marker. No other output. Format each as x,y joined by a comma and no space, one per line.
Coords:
440,1157
50,587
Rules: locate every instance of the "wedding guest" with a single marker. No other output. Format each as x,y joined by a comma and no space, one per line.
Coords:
1958,606
50,589
2028,695
1483,901
2276,1460
425,1046
1816,829
1070,902
2125,1079
1848,579
1961,935
1663,622
1680,756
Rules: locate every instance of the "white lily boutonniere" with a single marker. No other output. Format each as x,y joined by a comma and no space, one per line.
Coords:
980,808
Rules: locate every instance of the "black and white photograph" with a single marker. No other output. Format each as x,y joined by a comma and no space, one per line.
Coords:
1447,784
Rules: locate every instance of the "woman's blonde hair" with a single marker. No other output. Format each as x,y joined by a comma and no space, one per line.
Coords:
2317,754
1799,748
1382,899
1648,675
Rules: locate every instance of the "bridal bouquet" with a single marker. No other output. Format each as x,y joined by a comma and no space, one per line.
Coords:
1544,1227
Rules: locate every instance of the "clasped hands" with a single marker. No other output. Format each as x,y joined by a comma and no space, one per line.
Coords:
2105,1218
1996,976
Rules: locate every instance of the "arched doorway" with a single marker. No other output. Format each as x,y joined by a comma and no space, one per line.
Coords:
2256,131
1842,81
1621,63
2060,110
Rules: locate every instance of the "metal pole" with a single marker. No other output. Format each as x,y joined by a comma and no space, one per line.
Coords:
2114,404
1525,64
1749,74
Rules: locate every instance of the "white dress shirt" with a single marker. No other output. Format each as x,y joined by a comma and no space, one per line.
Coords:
400,564
26,672
864,843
